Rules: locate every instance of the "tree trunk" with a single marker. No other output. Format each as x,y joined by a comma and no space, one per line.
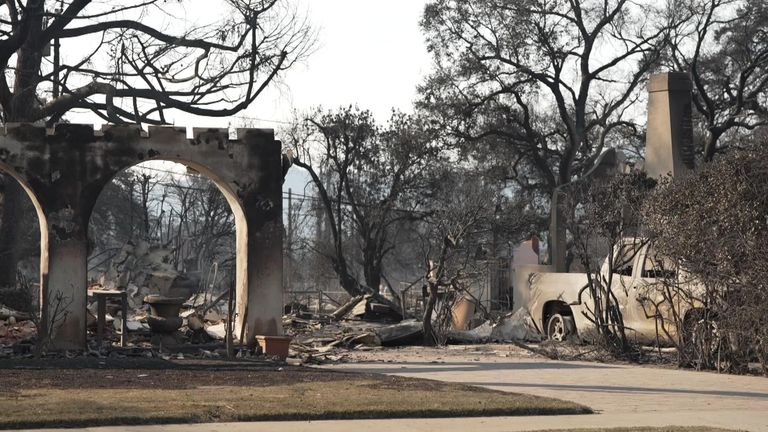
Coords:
23,106
426,320
372,272
346,280
710,147
10,247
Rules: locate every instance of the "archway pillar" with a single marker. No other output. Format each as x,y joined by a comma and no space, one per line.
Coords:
260,300
63,293
67,205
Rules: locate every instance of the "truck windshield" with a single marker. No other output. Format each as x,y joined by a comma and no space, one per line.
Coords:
657,266
624,259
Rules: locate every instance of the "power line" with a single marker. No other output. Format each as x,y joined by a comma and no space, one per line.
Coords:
334,201
158,170
262,120
285,195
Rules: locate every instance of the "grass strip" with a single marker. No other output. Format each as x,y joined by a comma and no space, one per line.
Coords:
349,397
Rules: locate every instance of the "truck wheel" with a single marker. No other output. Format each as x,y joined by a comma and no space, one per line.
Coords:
559,327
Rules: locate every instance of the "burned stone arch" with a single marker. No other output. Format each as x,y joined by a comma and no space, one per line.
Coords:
66,169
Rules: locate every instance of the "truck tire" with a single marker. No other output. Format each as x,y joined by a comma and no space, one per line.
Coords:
559,327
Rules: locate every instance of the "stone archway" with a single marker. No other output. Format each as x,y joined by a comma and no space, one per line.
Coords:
68,167
235,206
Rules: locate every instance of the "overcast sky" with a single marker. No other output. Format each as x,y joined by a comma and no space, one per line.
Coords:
369,53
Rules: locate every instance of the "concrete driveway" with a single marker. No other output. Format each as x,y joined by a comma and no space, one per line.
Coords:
614,391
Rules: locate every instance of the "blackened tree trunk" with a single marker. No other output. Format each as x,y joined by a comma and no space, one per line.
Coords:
372,267
426,321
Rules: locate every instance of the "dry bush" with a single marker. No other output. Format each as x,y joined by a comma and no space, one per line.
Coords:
605,215
714,226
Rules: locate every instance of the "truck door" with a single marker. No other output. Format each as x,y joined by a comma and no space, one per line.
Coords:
628,258
655,272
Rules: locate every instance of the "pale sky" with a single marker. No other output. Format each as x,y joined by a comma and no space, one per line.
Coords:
369,53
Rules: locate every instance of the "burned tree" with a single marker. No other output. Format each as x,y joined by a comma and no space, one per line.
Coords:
546,84
462,213
539,90
122,64
135,62
374,179
470,218
724,47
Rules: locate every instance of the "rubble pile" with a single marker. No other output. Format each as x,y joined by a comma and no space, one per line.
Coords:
15,328
139,270
315,341
511,327
368,309
363,323
318,338
143,270
12,332
360,324
201,323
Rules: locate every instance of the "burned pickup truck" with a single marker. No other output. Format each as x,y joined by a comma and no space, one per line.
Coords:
561,304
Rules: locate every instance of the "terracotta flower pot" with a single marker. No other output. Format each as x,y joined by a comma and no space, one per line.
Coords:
274,345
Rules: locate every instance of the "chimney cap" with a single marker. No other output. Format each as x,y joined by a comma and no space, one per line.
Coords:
670,81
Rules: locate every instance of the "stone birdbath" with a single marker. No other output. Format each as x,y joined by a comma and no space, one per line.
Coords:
164,316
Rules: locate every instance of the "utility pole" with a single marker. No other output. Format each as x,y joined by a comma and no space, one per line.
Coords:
289,267
56,60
